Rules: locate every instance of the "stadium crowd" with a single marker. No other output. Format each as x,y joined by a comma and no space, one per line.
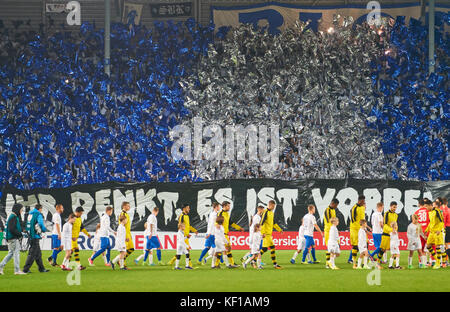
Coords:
59,125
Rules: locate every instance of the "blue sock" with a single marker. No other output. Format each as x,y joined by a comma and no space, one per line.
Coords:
146,255
98,253
158,254
350,256
376,251
305,253
204,251
108,254
55,254
313,253
221,259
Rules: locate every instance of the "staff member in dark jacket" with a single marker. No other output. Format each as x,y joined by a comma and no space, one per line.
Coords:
13,234
2,230
35,225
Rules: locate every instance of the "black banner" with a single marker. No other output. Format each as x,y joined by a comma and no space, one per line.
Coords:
171,9
292,198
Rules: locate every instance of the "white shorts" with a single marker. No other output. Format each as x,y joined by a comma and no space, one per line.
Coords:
67,243
121,248
255,249
414,245
220,246
301,244
334,248
182,250
395,250
362,248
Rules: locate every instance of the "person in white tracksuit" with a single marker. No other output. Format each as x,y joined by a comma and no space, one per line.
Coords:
66,241
333,243
121,244
395,248
220,242
182,248
255,246
256,219
362,245
414,232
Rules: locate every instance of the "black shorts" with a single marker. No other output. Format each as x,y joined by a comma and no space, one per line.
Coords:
447,234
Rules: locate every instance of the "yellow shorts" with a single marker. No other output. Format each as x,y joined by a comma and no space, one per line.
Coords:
267,241
75,244
354,237
385,242
129,244
327,235
186,240
434,239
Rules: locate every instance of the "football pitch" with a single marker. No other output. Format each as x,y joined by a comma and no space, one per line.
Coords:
292,278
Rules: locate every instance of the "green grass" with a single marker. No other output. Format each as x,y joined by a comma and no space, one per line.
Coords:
162,278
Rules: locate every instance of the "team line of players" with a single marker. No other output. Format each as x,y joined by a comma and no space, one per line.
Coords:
425,235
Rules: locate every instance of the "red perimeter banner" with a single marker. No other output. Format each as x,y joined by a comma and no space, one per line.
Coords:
288,240
239,240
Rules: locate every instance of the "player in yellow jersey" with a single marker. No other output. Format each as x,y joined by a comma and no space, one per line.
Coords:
357,213
389,217
128,238
184,218
435,229
330,212
76,229
225,213
267,226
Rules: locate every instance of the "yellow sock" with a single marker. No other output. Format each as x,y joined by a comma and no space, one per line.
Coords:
172,260
230,258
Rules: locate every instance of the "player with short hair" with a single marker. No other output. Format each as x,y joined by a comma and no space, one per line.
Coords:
330,212
435,232
152,238
210,239
121,243
96,246
225,213
424,220
414,232
182,248
104,244
255,245
56,235
256,219
184,218
301,243
333,243
389,217
66,240
394,247
309,222
377,228
129,239
362,245
267,226
222,244
76,229
357,213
